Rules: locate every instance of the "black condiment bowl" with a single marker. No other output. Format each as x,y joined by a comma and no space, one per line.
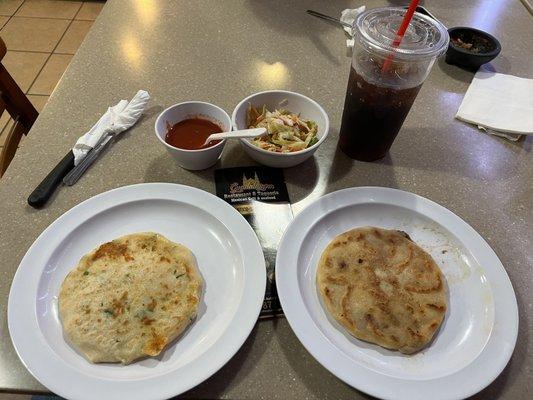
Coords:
485,48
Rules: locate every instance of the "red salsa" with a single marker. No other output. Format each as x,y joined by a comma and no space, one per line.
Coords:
191,134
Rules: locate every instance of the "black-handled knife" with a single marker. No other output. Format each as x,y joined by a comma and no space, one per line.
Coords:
42,193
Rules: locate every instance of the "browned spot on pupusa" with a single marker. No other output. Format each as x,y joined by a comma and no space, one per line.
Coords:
437,307
112,250
192,299
118,305
147,321
156,343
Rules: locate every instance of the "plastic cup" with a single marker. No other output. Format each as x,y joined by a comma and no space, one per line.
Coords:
378,99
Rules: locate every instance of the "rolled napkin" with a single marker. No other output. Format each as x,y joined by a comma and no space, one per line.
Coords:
348,16
499,104
117,119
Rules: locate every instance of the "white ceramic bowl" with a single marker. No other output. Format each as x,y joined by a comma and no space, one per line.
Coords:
193,159
294,102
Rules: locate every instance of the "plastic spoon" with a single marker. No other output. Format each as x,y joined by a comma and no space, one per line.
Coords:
243,133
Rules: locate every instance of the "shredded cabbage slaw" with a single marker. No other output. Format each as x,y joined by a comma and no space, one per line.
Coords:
286,131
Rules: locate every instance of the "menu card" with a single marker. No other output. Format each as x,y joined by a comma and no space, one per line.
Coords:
260,195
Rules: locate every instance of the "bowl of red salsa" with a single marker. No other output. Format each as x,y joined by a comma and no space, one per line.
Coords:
183,129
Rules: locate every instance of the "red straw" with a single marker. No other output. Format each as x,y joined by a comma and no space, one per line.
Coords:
399,35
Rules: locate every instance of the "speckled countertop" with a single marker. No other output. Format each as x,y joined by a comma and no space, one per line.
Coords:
221,51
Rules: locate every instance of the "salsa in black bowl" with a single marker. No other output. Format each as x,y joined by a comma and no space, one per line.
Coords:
470,48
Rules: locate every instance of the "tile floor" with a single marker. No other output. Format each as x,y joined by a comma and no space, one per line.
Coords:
41,37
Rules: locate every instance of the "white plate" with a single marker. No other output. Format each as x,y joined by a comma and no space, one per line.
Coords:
480,328
229,258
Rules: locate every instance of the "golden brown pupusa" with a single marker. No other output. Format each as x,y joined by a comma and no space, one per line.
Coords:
382,288
129,298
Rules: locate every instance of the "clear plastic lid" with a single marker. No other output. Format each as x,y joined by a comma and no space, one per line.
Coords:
424,38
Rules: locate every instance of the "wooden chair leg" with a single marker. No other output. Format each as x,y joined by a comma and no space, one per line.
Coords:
11,144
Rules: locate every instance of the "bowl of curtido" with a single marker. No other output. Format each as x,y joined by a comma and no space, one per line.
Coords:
296,127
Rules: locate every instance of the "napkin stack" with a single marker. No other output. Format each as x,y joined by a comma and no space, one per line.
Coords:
499,104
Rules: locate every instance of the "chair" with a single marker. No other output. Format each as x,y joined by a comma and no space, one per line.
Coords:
14,101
